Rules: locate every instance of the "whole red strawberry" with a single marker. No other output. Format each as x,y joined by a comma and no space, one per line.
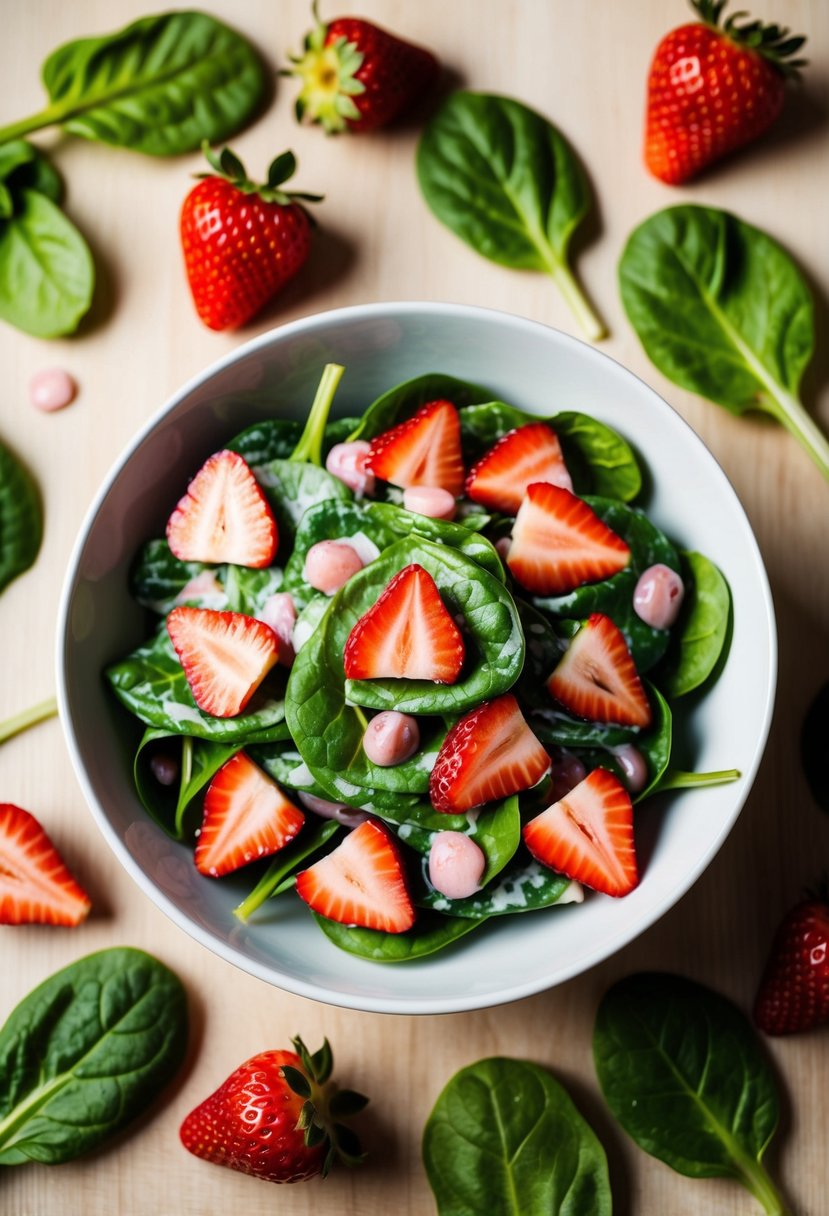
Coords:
712,89
242,242
794,990
275,1117
358,76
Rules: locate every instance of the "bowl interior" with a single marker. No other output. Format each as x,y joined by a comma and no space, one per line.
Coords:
539,370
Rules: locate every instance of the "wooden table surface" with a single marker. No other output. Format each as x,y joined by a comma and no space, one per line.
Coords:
584,65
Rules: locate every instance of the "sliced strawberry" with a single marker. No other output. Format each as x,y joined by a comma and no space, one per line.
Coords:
225,656
597,679
522,457
224,516
246,816
35,885
361,882
588,835
425,450
490,753
406,635
559,543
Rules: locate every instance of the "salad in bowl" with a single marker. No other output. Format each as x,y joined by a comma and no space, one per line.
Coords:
314,643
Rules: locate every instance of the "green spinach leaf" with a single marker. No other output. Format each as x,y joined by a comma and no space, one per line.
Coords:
247,590
506,181
333,519
151,683
198,760
523,886
161,85
157,579
405,399
46,271
722,310
292,487
21,518
86,1052
682,1070
699,640
270,439
504,1136
430,934
311,840
24,167
496,829
401,523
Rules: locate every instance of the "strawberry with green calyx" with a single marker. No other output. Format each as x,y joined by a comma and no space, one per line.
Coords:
242,240
713,88
356,76
277,1117
794,992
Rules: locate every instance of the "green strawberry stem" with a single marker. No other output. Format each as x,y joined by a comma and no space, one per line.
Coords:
309,448
29,717
676,779
592,325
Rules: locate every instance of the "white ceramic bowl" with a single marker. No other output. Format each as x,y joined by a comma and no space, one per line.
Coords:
539,370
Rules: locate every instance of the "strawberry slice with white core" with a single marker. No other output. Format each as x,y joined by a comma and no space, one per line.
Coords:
488,754
425,450
225,656
407,634
588,835
522,457
224,516
246,816
361,882
35,885
597,679
559,543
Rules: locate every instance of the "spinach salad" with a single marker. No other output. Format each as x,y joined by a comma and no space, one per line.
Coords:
505,640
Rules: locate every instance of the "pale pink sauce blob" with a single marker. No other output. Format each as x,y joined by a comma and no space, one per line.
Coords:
390,738
658,595
279,611
456,865
433,501
634,766
347,461
331,563
52,389
332,810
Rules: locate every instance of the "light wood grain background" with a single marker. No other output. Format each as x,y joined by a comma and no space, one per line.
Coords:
582,63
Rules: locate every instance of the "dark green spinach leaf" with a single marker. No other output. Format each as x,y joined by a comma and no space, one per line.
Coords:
405,399
313,837
430,934
270,439
466,540
684,1073
292,487
198,760
157,578
506,181
46,271
24,167
722,310
86,1052
161,85
699,639
504,1137
21,518
523,886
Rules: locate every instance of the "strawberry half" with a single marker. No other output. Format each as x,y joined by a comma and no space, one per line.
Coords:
406,635
361,882
224,517
246,816
425,450
225,656
559,543
529,454
597,678
35,885
488,754
588,835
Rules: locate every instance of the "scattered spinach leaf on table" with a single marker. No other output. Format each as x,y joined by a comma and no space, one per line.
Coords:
721,309
683,1071
86,1052
161,85
21,518
506,181
504,1136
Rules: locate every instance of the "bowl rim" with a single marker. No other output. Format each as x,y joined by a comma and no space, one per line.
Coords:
230,954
